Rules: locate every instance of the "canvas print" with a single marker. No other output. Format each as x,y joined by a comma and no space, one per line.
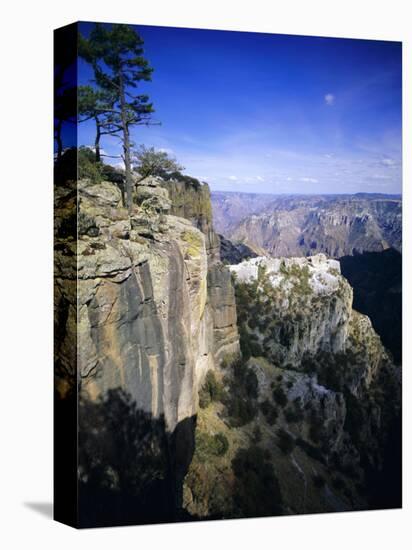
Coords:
228,274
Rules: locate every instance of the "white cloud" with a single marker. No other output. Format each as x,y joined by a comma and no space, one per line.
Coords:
259,178
380,176
166,150
232,178
92,148
309,180
329,99
388,162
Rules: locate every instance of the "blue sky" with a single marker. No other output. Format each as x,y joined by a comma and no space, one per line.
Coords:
272,113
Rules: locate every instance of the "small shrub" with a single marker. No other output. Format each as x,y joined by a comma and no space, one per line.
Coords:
212,390
338,483
286,442
68,227
318,481
87,225
109,173
241,410
221,444
207,445
257,435
87,165
310,450
269,411
316,426
257,490
279,397
293,415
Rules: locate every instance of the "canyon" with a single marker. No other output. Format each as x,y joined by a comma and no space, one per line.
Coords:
287,226
220,389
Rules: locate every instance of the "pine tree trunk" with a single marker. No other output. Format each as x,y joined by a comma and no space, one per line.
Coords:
59,140
126,147
97,140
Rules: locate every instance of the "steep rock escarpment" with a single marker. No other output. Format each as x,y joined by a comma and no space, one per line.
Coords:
191,200
144,311
146,321
141,297
313,403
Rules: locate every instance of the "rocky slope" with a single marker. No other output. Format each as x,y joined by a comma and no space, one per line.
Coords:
302,226
312,403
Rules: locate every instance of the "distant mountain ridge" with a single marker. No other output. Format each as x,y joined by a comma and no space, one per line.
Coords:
302,225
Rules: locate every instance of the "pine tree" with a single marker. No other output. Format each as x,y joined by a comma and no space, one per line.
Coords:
151,162
97,105
116,54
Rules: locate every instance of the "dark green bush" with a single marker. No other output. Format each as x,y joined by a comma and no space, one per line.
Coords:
109,173
279,397
241,398
212,390
293,415
87,225
316,427
286,442
87,165
269,411
257,435
178,176
338,483
257,490
310,450
318,481
207,445
241,410
68,227
221,444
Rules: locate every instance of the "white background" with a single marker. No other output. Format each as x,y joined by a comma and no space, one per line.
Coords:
26,270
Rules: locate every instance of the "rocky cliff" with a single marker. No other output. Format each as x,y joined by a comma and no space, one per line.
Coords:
313,402
153,313
144,308
191,200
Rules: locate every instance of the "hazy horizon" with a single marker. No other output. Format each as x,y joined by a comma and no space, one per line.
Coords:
308,194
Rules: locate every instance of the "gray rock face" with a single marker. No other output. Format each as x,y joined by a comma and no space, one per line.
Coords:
222,303
234,253
151,196
145,322
191,200
308,306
